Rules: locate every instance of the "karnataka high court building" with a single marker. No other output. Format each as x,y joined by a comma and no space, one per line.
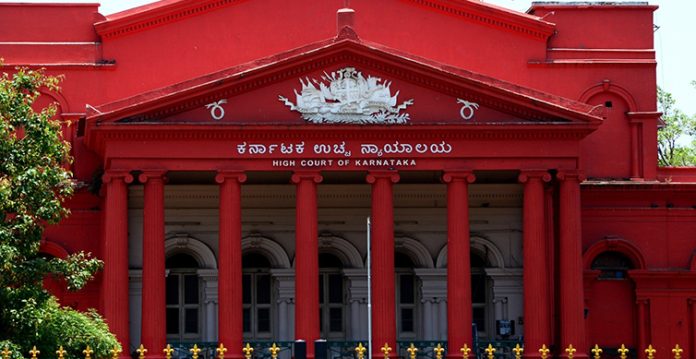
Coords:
402,171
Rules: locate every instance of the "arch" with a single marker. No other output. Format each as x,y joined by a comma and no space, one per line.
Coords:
607,86
193,247
615,244
483,246
341,248
266,246
414,249
58,98
53,248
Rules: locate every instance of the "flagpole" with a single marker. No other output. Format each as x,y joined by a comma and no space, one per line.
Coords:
369,289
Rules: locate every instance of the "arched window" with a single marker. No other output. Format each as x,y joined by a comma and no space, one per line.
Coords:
183,298
612,265
331,297
479,290
406,297
256,297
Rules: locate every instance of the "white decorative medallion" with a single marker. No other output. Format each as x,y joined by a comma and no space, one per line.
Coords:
346,96
468,109
217,112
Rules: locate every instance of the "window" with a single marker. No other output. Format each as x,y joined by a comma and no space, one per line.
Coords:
478,291
183,298
406,303
612,265
257,318
331,297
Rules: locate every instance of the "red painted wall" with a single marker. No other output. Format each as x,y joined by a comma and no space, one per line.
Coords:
592,54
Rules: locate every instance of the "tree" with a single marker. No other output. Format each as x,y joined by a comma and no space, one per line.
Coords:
33,186
678,126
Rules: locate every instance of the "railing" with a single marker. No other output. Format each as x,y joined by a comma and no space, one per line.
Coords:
268,349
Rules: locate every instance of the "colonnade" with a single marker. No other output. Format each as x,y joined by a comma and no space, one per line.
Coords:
537,297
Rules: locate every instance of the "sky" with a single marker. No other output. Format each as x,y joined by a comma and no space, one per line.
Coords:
675,41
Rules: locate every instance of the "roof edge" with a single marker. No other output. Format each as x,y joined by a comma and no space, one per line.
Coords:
167,11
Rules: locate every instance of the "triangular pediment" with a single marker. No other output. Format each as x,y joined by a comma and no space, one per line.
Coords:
345,80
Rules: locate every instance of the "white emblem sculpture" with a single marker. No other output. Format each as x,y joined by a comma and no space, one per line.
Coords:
346,96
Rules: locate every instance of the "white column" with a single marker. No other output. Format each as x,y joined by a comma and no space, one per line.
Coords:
284,283
210,301
433,291
443,318
357,298
135,293
508,292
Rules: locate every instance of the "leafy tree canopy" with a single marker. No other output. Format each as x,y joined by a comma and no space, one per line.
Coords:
33,185
673,138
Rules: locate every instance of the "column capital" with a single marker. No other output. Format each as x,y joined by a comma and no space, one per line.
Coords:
314,176
459,175
372,176
527,175
223,176
123,175
153,174
571,175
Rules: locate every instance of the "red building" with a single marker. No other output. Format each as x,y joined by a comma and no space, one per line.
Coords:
230,152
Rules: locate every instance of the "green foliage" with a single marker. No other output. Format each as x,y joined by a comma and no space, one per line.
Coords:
671,149
33,186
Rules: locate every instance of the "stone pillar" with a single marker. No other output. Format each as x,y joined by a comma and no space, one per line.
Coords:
357,298
306,259
230,326
382,271
115,278
571,271
210,303
459,308
535,265
284,282
153,332
433,293
135,293
642,304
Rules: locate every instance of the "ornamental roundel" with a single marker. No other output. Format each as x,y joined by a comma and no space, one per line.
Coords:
346,96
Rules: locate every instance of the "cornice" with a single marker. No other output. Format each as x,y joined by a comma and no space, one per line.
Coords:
139,19
521,23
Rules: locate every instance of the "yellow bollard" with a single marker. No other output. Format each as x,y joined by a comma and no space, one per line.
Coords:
34,352
490,351
168,352
274,349
466,351
221,350
195,351
438,351
412,350
623,352
677,351
518,350
386,349
141,351
597,351
650,352
360,351
544,351
248,350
